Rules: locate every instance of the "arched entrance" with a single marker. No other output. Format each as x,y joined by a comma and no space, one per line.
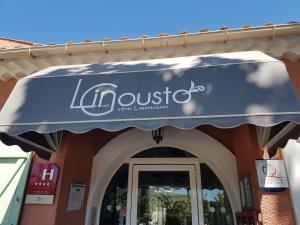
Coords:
121,150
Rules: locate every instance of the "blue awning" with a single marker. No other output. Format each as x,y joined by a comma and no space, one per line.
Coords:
223,90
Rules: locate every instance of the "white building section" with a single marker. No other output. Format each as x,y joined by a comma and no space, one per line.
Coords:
291,154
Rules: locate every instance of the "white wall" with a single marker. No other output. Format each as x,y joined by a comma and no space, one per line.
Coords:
291,155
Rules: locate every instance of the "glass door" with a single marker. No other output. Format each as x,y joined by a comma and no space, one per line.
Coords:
164,195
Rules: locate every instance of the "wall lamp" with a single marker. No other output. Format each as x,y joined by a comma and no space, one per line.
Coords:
158,134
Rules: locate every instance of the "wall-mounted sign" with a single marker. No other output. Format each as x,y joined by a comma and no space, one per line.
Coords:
271,174
246,192
42,183
76,197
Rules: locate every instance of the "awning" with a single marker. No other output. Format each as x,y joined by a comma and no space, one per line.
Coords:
223,90
275,137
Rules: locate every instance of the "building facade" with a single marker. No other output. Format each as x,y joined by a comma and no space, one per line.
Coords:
203,174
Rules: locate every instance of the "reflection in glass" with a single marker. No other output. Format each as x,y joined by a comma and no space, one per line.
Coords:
164,198
113,209
216,206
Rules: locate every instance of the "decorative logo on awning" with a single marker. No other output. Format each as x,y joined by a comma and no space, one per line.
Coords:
101,99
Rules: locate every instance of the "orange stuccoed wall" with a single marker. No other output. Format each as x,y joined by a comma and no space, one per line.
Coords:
293,69
75,161
76,156
276,208
5,90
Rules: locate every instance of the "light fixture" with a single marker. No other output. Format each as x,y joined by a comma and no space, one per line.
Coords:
158,134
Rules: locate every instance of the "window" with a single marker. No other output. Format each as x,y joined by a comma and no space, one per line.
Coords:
216,206
164,152
113,209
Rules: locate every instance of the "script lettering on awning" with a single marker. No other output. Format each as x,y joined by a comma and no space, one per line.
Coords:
102,99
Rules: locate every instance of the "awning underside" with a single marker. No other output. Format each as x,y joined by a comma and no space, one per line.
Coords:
43,144
223,90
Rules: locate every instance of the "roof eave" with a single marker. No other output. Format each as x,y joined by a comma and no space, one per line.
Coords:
154,42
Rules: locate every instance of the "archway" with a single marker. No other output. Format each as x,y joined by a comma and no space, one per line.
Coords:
119,151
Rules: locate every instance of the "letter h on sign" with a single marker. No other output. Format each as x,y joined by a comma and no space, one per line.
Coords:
46,173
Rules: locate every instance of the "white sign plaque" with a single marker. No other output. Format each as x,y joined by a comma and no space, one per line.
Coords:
271,174
76,197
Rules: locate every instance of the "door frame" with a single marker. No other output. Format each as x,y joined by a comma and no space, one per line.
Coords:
164,162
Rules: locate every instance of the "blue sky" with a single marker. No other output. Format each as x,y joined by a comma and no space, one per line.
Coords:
59,21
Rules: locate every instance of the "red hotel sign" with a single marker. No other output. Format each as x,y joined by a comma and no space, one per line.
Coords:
42,183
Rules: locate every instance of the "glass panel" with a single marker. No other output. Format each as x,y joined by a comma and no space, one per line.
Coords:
164,198
113,209
164,152
216,206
